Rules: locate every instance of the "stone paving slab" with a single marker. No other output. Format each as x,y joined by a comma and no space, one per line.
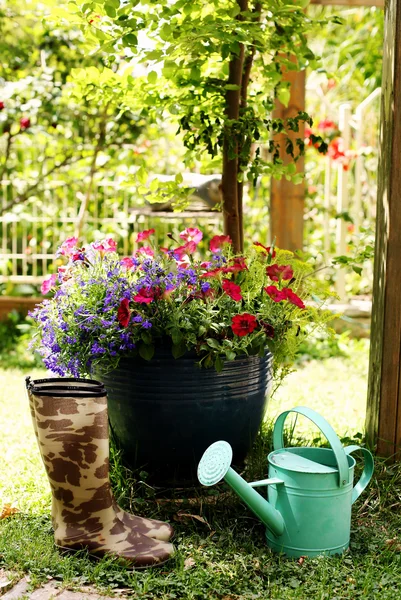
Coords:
51,591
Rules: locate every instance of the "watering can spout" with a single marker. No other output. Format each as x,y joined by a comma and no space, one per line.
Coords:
215,466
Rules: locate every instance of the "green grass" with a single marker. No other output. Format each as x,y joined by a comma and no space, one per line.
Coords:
223,555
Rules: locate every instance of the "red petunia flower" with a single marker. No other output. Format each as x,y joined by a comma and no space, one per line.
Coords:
143,235
293,298
213,273
232,289
243,324
218,241
238,265
277,272
275,294
144,296
268,329
124,313
267,249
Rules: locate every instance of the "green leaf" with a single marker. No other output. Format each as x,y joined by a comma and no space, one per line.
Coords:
195,73
219,364
230,355
152,77
201,330
283,95
213,343
146,351
141,175
114,3
357,269
130,39
146,338
110,11
179,349
176,336
179,178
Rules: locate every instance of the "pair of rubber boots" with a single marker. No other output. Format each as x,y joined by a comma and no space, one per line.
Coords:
70,420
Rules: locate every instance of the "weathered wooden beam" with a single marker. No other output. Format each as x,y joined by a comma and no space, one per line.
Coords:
383,424
286,199
349,3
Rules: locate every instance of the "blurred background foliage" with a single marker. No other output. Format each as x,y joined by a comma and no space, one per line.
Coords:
57,146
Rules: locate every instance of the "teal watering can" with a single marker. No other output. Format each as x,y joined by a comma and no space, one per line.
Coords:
310,490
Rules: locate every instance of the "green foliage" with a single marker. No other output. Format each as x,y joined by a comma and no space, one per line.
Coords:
15,332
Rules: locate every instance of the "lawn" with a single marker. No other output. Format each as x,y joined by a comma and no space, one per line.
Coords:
221,551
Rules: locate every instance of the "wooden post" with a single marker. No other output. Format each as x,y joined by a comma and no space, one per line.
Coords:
383,423
286,199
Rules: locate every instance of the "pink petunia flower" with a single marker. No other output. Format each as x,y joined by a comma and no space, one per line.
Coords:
48,284
107,245
191,234
218,241
68,247
145,251
143,235
184,250
127,262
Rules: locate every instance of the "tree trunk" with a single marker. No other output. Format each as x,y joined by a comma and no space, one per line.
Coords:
229,183
383,421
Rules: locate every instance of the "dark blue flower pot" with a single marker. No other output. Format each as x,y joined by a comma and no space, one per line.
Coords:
165,413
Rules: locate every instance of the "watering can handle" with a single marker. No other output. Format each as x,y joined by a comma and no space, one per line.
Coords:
325,428
367,471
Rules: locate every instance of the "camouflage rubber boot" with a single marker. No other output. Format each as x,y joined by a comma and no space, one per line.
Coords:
73,437
153,528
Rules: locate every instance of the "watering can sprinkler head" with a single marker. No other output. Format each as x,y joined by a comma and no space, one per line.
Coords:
215,466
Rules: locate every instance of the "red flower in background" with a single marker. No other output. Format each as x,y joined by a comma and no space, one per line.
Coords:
328,127
232,289
107,245
146,251
144,296
268,329
243,324
275,294
238,265
25,122
127,262
293,298
217,242
267,249
2,105
213,273
277,272
143,235
124,313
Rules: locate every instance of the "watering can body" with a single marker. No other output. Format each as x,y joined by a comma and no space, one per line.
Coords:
315,510
310,490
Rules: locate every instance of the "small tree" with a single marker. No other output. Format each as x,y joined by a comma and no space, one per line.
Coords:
216,67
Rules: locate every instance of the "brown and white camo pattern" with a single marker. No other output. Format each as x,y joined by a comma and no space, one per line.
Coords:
73,438
151,527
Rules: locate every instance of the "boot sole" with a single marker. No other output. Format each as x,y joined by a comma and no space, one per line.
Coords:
93,556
